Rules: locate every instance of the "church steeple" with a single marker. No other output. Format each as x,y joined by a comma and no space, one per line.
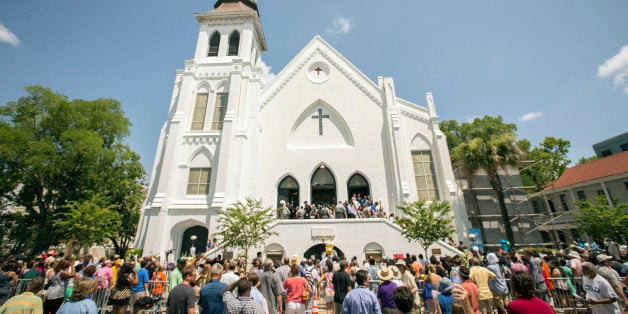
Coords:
231,30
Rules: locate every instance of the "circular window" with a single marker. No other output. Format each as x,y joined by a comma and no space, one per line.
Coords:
318,72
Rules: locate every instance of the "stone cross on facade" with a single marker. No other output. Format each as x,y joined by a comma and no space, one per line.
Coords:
318,70
320,118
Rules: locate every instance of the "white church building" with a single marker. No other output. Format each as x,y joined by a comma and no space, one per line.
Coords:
321,130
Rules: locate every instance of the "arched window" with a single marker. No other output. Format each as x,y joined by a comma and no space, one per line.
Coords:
200,108
425,175
234,43
358,185
214,43
220,109
288,191
198,181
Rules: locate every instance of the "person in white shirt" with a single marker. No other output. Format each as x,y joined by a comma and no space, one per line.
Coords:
600,295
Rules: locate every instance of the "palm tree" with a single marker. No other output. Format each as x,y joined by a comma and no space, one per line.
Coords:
488,144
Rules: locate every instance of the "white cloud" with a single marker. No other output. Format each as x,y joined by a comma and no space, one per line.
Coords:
471,118
616,66
267,76
7,36
530,116
340,25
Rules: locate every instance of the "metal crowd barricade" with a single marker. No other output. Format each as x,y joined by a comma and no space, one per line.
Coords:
158,290
564,298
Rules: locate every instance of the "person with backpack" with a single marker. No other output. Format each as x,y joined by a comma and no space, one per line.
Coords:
498,287
312,276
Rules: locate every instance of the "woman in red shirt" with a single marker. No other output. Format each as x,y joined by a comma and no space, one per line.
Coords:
295,286
524,288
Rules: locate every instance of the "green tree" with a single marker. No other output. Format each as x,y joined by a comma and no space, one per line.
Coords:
54,151
426,224
485,144
549,161
245,225
88,221
600,220
584,160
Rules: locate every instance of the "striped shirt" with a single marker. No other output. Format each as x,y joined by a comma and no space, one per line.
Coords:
25,303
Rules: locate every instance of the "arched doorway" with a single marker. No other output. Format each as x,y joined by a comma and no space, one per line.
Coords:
288,191
318,251
200,243
358,184
323,186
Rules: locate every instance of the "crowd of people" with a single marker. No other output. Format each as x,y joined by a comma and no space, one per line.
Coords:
500,282
357,207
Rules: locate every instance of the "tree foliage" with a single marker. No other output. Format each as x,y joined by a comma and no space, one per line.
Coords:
88,221
600,220
426,224
486,144
584,160
549,161
55,151
245,225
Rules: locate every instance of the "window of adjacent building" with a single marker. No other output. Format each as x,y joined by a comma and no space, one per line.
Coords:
425,175
626,185
214,43
624,147
581,196
563,202
234,43
606,152
219,110
200,108
198,181
561,236
536,206
551,206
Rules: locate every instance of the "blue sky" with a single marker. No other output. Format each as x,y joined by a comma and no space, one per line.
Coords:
555,68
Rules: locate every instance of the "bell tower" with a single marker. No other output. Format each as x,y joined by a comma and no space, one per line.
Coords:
208,148
231,30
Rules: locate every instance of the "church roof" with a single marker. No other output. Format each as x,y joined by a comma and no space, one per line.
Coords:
600,168
222,6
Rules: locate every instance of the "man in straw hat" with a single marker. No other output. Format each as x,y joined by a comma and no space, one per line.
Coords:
409,281
386,290
605,270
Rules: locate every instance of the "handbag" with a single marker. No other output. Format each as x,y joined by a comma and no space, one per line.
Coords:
119,296
305,296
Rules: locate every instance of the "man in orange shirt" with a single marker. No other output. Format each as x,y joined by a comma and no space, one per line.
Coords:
417,268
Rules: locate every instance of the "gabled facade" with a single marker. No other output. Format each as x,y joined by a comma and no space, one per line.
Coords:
321,131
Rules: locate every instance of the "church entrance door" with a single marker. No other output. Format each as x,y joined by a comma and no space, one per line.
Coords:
318,251
288,191
358,184
194,237
323,186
